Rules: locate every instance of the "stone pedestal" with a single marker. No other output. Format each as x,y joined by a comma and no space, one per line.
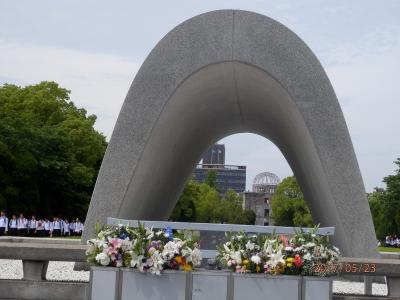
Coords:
125,283
34,270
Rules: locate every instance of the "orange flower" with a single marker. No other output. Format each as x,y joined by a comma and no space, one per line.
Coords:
180,260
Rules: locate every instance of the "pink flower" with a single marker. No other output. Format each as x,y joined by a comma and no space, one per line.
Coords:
115,244
284,240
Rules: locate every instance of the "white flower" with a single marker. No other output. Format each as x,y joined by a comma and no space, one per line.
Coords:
256,259
149,233
118,263
276,258
237,256
156,263
91,246
298,249
103,259
196,257
250,245
126,245
226,247
309,245
288,248
268,247
137,261
169,250
307,256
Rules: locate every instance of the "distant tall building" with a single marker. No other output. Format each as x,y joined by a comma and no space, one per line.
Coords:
259,199
215,155
227,176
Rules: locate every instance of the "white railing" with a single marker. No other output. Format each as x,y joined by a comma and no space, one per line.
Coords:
211,253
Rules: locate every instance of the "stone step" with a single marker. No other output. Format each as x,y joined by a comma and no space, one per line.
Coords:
361,297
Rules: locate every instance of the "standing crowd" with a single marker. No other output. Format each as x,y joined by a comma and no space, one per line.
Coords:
392,241
38,227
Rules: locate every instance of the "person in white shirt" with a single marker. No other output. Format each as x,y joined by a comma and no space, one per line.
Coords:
78,227
56,232
13,226
66,228
22,225
32,226
72,228
40,228
47,227
3,223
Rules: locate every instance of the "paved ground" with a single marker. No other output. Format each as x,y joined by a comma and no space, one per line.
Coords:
12,269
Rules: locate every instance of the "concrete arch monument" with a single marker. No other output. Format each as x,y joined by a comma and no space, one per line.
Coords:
226,72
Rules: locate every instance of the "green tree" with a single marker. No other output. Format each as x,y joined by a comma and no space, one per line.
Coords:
211,179
185,210
209,207
50,153
385,205
288,205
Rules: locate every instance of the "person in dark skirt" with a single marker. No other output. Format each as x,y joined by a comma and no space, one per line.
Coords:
40,228
32,226
47,228
13,226
3,223
22,225
56,227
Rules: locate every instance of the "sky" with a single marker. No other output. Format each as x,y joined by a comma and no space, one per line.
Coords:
95,48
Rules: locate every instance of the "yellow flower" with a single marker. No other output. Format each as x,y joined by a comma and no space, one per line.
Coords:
258,269
289,265
187,267
290,259
245,262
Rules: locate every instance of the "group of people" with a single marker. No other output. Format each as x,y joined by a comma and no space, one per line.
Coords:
38,227
392,241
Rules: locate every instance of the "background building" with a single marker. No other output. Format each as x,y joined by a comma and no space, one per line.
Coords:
215,155
259,199
227,176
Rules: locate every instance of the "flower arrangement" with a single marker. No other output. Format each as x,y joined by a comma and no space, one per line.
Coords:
144,249
302,254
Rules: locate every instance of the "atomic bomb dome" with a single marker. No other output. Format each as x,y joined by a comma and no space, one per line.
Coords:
264,181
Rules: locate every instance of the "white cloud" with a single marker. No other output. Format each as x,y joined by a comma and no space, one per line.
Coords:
367,89
98,82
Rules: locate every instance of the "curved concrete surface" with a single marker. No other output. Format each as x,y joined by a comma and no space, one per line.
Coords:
221,73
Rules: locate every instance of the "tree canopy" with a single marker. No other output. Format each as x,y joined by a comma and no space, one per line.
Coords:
201,202
288,205
50,153
385,205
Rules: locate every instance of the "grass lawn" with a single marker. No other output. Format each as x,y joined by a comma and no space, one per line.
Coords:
387,249
69,237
